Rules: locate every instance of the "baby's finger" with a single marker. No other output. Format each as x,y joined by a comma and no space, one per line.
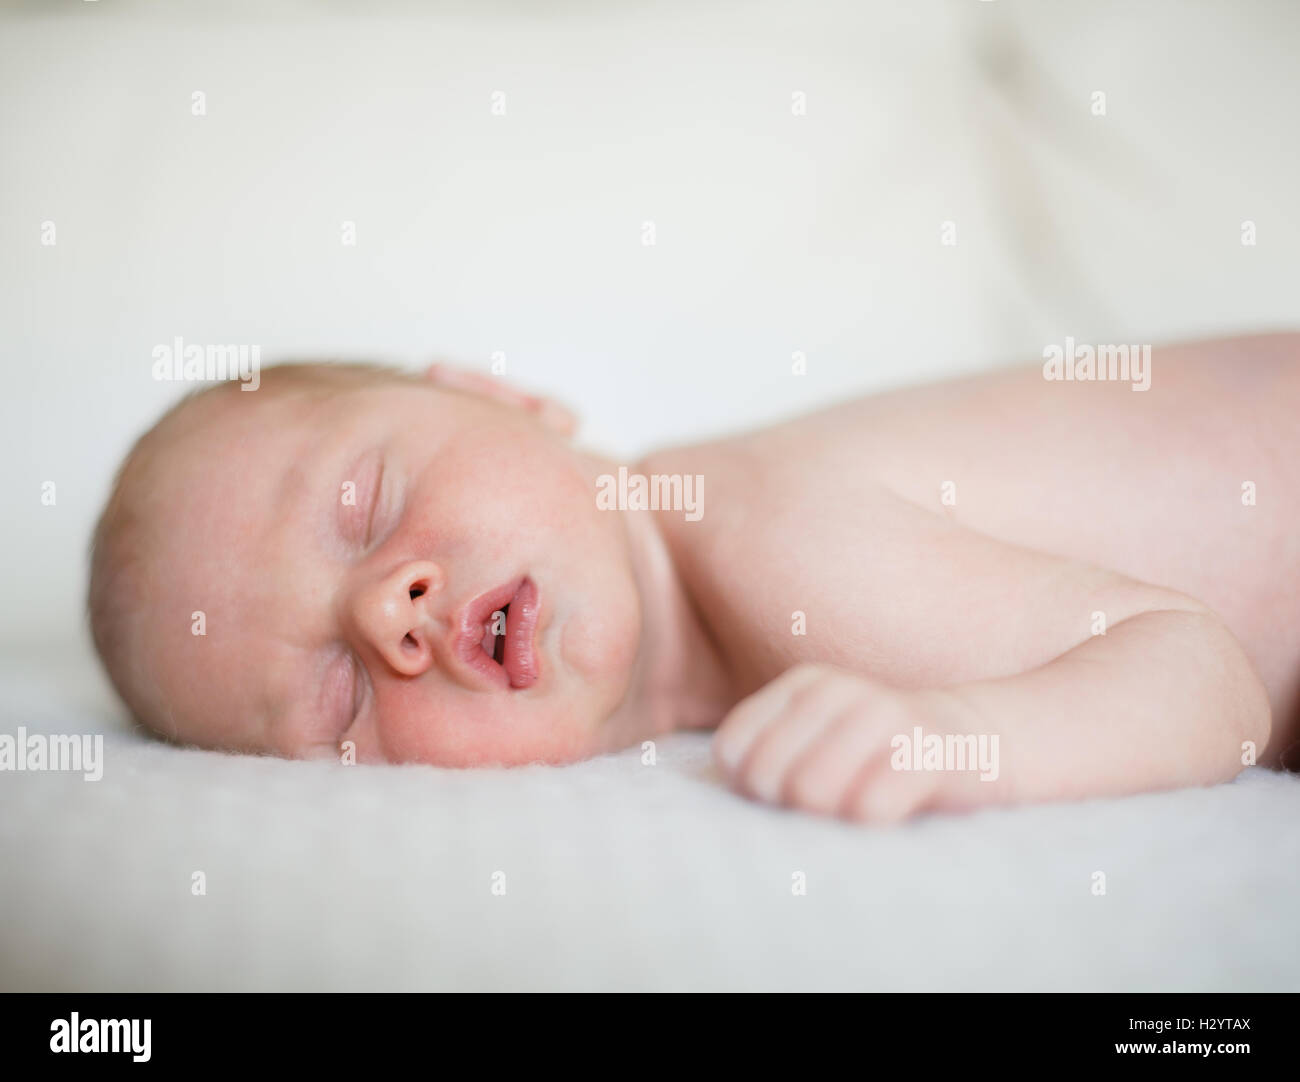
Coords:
881,795
811,711
739,729
821,779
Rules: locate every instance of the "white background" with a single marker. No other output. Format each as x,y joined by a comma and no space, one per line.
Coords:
476,233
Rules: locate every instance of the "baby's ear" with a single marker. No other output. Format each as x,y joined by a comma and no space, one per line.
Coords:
549,412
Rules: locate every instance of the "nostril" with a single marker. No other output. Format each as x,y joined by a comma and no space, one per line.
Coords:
417,591
409,642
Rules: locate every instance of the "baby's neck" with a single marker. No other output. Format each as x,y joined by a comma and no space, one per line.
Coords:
680,680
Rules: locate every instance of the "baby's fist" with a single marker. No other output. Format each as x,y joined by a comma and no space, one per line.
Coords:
819,739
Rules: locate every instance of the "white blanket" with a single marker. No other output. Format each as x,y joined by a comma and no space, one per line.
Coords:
616,875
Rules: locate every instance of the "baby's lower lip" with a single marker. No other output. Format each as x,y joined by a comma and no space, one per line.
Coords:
520,655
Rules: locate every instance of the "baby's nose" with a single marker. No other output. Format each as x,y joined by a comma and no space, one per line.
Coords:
396,616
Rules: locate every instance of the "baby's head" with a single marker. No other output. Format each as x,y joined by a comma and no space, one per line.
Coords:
320,561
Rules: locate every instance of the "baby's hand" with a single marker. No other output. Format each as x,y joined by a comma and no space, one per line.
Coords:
819,739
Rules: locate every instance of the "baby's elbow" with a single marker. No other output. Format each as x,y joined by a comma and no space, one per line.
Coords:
1250,713
1257,726
1243,700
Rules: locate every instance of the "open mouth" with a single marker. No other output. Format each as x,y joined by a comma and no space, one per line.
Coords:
494,635
497,634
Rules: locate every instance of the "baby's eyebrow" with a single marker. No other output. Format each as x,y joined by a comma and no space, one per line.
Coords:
306,481
266,719
288,687
294,481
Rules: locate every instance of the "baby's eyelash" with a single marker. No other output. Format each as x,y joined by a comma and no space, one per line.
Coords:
341,695
358,690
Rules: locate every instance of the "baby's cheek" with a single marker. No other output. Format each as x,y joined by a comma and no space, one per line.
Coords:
483,730
411,729
599,642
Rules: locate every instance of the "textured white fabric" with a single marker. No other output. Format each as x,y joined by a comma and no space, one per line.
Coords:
617,876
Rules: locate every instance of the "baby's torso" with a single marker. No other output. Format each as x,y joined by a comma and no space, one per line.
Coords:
803,546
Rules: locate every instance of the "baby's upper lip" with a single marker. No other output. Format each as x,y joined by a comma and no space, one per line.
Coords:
518,667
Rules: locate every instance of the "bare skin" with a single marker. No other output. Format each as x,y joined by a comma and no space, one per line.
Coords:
951,549
333,541
977,616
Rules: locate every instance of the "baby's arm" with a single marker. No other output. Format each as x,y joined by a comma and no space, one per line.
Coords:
1164,698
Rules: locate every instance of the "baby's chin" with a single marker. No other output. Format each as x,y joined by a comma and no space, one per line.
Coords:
504,755
554,736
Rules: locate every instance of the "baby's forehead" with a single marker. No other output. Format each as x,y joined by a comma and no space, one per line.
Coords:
235,431
224,525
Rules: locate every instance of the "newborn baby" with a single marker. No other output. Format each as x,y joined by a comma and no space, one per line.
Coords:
1098,581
